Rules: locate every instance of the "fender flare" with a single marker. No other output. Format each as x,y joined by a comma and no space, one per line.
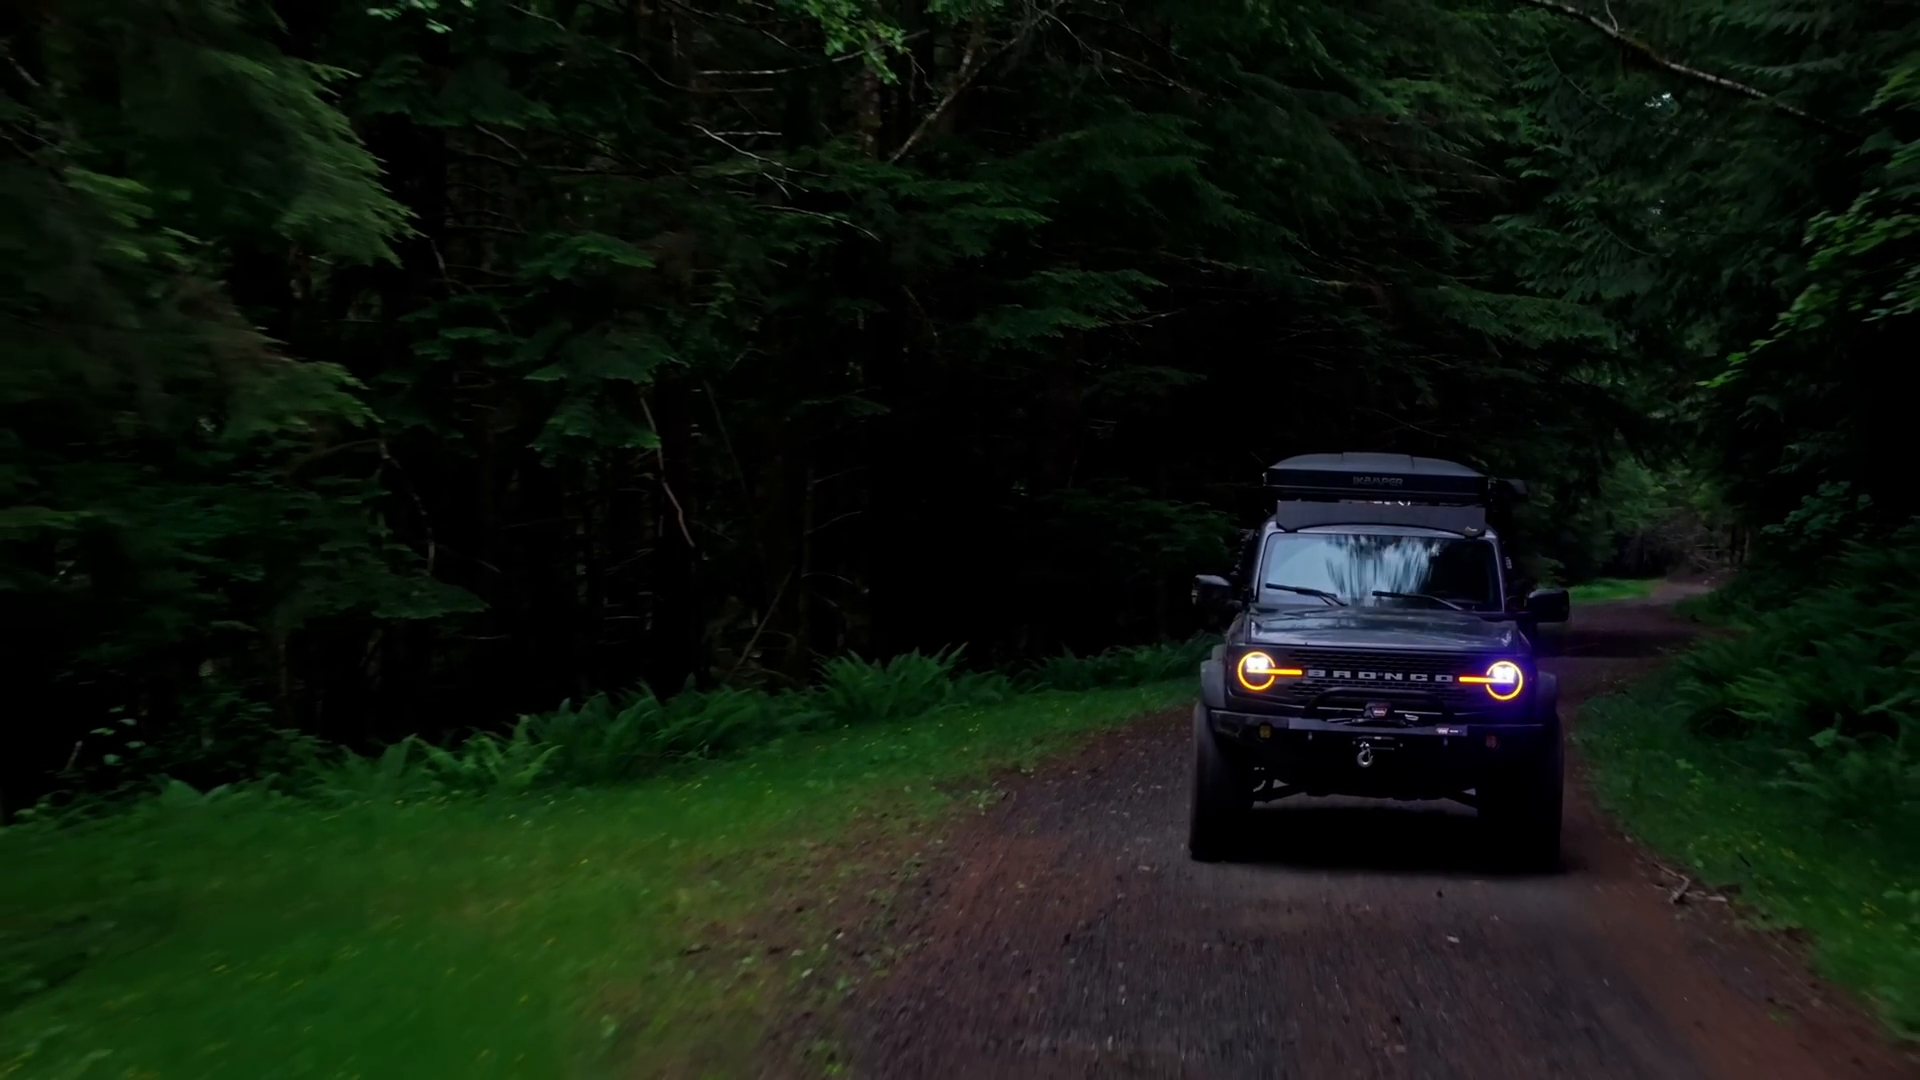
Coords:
1549,698
1213,679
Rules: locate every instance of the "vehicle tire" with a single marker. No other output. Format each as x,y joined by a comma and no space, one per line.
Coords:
1222,797
1521,806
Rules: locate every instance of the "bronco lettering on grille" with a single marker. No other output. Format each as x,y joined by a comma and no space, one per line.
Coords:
1376,676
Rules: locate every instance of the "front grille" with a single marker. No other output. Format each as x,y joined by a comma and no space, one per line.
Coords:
1369,660
1395,677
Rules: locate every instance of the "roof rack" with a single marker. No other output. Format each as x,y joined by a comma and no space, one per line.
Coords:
1386,489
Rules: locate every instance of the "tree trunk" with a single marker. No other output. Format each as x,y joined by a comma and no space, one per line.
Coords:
1060,415
674,649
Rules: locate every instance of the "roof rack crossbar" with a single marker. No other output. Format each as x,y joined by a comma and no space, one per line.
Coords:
1463,520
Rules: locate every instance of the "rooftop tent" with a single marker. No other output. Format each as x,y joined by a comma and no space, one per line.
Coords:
1387,489
1386,477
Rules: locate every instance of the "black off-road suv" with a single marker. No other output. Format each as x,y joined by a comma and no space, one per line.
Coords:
1375,649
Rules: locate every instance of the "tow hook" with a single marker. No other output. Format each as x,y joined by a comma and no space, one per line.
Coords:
1365,757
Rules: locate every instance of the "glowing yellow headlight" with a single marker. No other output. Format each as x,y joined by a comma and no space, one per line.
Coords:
1256,671
1503,680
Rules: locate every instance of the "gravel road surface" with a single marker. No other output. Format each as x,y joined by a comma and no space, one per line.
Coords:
1065,933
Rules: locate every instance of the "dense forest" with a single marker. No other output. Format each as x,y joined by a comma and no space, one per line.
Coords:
406,365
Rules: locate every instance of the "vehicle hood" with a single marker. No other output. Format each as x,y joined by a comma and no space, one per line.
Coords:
1365,629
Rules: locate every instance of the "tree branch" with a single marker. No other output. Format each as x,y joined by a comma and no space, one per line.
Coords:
836,219
419,505
744,152
747,651
679,512
972,62
1647,52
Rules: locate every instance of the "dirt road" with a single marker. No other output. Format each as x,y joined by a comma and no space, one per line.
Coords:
1067,934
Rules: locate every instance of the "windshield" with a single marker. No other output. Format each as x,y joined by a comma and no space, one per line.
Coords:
1352,567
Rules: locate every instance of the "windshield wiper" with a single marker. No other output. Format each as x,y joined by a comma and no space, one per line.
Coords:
1304,591
1419,596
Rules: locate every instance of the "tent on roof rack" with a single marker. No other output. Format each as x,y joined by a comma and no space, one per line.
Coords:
1385,477
1384,489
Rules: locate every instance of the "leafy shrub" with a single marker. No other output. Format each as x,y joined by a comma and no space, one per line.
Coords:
1638,521
487,762
1763,585
221,735
606,739
391,774
1831,679
1133,665
1856,779
856,691
610,738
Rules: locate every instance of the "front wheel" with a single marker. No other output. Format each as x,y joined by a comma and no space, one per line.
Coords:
1222,798
1521,805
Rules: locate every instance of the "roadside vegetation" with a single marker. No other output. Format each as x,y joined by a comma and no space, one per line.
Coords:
1781,758
614,884
1600,590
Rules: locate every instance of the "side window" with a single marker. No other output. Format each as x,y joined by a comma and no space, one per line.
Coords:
1462,571
1249,555
1519,584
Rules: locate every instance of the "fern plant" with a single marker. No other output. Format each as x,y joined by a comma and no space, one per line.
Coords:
856,691
1830,681
614,738
1132,665
486,762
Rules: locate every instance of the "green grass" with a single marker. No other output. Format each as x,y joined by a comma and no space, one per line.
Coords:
604,931
1603,589
1854,889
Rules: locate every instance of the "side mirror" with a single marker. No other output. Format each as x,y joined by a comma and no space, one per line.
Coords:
1212,593
1549,605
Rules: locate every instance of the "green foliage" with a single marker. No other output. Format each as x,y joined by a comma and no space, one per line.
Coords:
1637,521
1601,590
160,532
1121,666
1757,254
558,933
1764,584
854,691
224,732
386,777
1831,680
699,344
1841,864
1782,754
608,739
485,762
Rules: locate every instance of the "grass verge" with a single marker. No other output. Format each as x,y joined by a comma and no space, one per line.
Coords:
644,927
1853,888
1603,589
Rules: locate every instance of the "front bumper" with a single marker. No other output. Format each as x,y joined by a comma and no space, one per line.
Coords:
1323,757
